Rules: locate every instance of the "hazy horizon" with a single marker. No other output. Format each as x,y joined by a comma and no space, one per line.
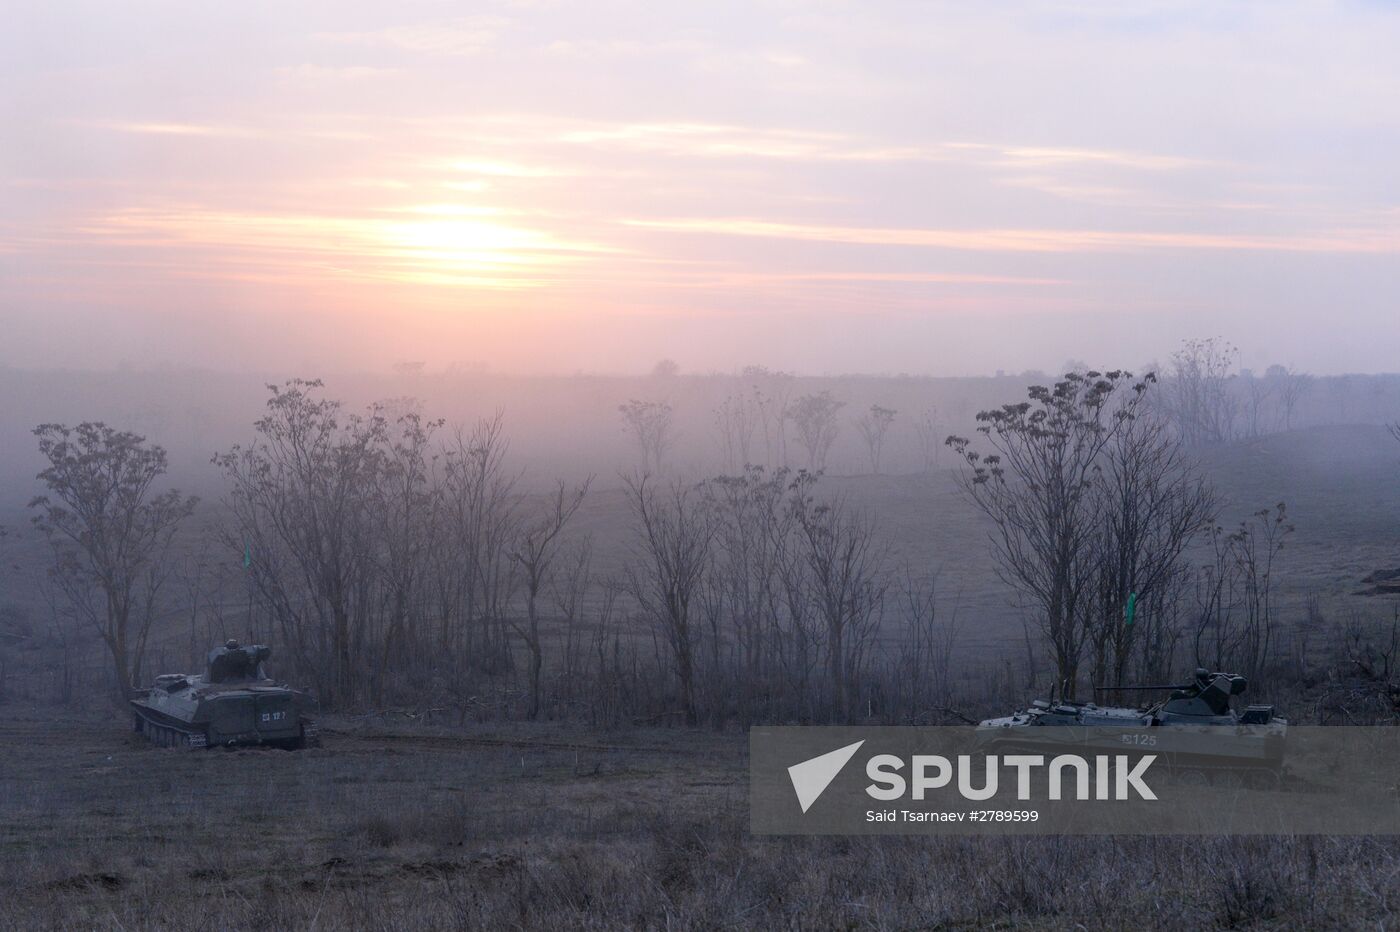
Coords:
457,370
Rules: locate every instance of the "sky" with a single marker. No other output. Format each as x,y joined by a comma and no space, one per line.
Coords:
921,187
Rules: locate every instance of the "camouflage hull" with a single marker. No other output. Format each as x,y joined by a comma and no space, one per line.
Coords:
1217,753
269,715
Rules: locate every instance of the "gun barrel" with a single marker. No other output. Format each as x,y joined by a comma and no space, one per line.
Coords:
1099,688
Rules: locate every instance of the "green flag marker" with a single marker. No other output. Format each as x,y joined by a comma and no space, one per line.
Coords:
1130,609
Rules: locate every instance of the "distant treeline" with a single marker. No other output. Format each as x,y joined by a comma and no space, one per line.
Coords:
570,426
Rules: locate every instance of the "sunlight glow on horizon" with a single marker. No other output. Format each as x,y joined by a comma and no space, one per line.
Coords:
857,164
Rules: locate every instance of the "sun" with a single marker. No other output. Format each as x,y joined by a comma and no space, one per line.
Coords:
449,244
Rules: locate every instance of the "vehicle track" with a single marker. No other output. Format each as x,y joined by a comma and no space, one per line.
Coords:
465,742
29,733
50,732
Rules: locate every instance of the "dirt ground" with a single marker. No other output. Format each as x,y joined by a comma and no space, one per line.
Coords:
393,824
97,824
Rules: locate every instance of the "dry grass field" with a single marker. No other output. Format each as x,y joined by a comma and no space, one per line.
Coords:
393,824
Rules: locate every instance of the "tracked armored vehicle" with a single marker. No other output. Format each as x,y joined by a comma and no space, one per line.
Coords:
1194,730
232,703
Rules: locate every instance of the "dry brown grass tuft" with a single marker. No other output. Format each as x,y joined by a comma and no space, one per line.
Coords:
103,832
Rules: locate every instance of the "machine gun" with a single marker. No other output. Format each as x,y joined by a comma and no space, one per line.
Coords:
1208,694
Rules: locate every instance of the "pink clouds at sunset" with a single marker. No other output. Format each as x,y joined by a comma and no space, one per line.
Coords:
624,181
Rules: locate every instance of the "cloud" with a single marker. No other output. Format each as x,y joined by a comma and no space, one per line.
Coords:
1022,157
468,35
589,49
1377,241
304,127
424,244
706,139
308,73
504,169
717,140
157,128
922,278
758,158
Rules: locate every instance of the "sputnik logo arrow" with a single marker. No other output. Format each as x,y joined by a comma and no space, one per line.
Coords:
811,777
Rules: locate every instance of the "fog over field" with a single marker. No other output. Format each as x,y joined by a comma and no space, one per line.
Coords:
436,439
1329,457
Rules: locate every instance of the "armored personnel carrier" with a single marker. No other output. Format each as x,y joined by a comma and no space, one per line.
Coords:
232,703
1194,729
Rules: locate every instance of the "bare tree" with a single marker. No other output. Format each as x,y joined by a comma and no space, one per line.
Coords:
1198,396
535,550
925,663
109,532
1236,618
570,588
478,493
1258,543
735,420
1037,487
873,426
1291,386
405,512
753,526
195,575
847,585
301,509
769,393
672,556
1259,394
649,423
1152,503
930,440
814,417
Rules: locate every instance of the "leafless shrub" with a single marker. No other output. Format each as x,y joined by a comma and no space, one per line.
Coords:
1038,488
873,425
300,506
474,581
930,435
846,582
1289,386
1237,622
1260,396
110,534
923,668
1151,504
1198,395
672,547
814,418
535,550
769,394
649,425
735,420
